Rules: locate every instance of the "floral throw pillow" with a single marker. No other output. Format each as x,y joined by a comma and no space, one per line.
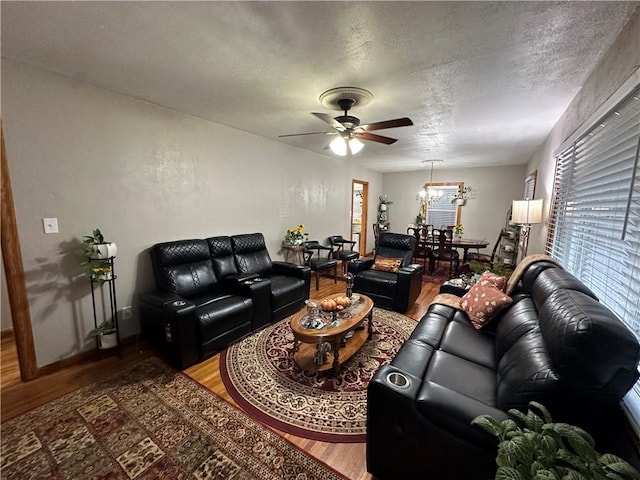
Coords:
483,302
498,281
385,264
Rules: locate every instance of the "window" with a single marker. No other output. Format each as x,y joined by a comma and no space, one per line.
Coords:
595,216
440,211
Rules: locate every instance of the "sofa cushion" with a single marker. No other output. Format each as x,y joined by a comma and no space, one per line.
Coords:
414,357
183,267
470,379
431,327
483,302
592,350
376,283
385,264
518,319
461,339
552,279
525,373
251,254
222,258
224,314
285,290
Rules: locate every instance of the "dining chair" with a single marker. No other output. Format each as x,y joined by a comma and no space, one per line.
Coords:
443,251
319,263
423,247
339,250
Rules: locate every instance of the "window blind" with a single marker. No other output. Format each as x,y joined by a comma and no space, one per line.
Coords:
595,215
441,212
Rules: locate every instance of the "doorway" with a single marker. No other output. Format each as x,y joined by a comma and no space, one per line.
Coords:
359,202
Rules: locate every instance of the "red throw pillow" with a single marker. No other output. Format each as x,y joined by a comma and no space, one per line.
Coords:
385,264
483,302
498,281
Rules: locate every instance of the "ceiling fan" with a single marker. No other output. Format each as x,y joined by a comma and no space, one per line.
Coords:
347,127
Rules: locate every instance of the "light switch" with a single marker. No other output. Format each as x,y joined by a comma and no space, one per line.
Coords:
50,225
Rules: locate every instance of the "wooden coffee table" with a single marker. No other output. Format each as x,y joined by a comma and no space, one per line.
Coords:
344,332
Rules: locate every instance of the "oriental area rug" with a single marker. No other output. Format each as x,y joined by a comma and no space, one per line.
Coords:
439,275
261,376
148,422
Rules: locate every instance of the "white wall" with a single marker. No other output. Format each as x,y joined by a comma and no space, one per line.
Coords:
482,216
619,63
144,174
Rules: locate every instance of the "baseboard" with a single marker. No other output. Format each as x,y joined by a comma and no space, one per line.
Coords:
85,356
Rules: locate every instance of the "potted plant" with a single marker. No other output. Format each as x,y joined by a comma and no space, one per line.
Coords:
533,448
105,334
295,236
419,219
96,254
461,197
458,230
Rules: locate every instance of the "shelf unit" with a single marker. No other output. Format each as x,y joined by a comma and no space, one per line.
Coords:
507,252
112,308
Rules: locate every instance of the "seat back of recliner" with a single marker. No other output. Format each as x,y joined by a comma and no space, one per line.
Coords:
224,263
251,255
396,245
595,354
183,267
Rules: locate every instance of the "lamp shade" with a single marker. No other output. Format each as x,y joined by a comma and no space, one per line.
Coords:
526,212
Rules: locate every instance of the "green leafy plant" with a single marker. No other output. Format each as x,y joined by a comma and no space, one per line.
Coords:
104,328
383,200
464,194
532,447
96,269
419,219
295,236
479,268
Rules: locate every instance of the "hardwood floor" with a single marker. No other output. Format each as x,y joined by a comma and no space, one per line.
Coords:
17,397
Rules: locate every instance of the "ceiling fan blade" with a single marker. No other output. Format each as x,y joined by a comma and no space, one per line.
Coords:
309,133
375,138
330,120
398,122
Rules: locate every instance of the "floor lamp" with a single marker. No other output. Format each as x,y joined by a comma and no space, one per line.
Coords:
526,213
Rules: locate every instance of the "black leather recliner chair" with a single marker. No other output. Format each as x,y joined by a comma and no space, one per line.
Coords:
192,314
289,283
393,291
212,292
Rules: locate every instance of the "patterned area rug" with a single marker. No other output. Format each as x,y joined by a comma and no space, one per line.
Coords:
260,374
148,423
439,275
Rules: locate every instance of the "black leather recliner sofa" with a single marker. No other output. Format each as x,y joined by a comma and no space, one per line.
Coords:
212,292
390,290
555,344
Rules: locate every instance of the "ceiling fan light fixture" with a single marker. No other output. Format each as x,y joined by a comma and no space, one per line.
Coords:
343,146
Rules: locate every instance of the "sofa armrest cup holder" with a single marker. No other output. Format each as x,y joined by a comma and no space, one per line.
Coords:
398,380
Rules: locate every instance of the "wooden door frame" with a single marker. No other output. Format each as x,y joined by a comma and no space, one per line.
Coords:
364,220
15,277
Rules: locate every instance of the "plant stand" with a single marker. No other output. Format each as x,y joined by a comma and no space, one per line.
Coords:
112,309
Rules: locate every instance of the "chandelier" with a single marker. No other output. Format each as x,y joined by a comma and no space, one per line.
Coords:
430,195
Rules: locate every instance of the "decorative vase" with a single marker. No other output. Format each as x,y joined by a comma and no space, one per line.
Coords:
461,201
108,340
105,250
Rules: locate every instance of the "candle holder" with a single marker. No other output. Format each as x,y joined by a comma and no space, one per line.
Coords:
348,278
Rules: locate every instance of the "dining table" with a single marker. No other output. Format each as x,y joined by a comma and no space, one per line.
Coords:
459,243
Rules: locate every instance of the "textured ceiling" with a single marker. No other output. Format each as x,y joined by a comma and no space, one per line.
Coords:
483,82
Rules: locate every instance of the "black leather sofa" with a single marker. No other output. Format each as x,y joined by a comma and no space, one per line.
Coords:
555,344
211,292
389,290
